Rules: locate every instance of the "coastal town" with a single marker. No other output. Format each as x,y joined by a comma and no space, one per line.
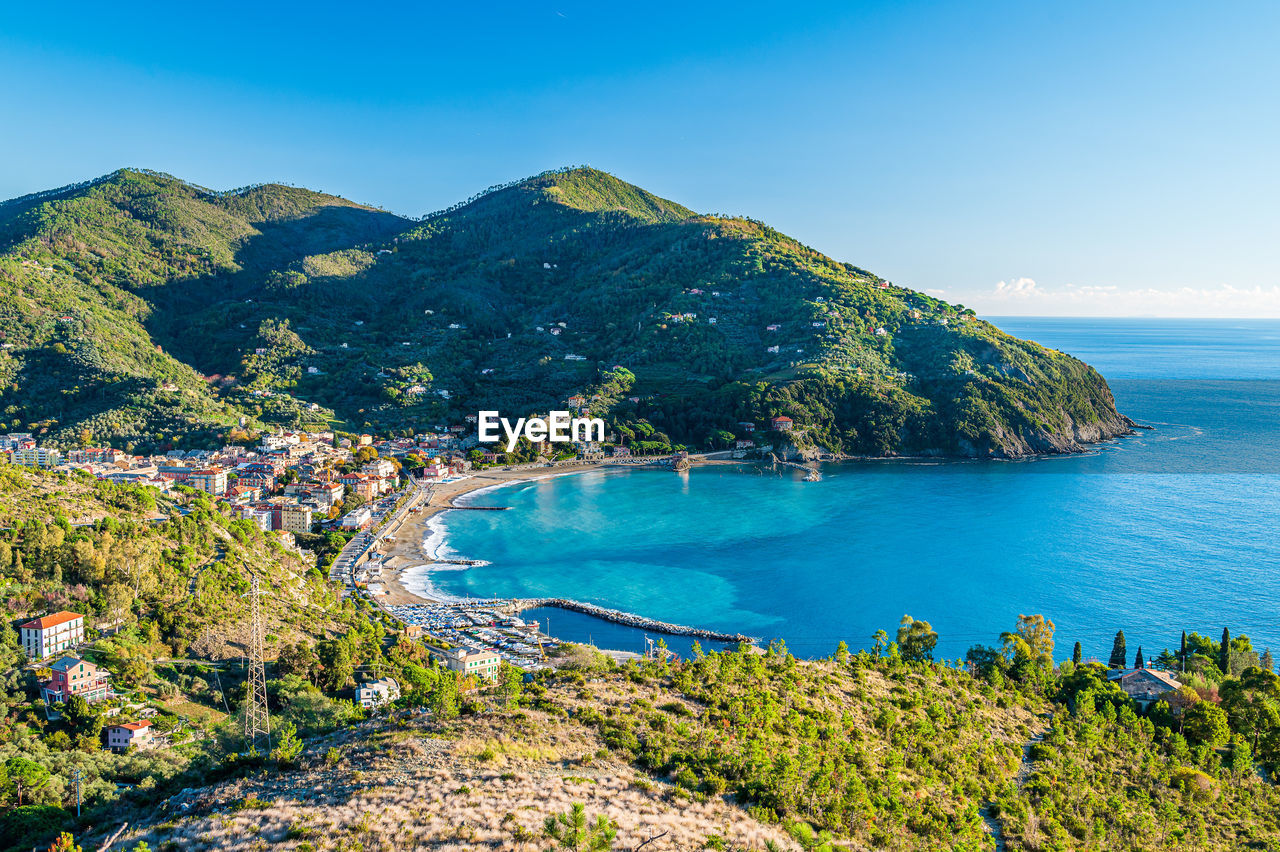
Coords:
375,494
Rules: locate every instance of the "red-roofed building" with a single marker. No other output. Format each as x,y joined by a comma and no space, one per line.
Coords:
363,485
129,735
781,424
243,494
260,479
52,634
95,455
74,676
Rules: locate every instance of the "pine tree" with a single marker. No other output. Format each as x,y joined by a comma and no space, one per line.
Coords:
1138,662
1224,652
1182,653
1268,663
1077,654
1118,654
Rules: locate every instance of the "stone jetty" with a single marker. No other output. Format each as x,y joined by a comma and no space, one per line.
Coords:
632,620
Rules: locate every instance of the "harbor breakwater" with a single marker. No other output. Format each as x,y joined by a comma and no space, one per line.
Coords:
632,620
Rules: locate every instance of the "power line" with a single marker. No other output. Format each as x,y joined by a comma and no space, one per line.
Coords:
257,722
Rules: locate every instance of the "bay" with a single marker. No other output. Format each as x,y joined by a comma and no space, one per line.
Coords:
1175,528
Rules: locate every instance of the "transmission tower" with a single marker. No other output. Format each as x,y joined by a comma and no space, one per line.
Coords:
257,724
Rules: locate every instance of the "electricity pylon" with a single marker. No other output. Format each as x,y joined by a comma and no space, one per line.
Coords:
257,724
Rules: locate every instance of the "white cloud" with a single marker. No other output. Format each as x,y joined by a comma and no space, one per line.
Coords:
1025,296
1016,288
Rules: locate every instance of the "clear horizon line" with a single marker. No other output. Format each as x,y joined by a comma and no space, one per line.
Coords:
987,316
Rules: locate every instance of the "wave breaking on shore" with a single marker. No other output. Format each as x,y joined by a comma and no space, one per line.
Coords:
435,546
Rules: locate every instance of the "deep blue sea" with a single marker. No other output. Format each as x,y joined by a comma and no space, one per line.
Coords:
1176,528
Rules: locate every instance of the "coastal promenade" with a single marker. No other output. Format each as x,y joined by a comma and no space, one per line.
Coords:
357,550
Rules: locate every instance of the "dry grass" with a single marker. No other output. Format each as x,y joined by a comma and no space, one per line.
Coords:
503,751
199,712
485,782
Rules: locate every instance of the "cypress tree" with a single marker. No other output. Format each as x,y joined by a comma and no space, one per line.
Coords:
1182,654
1077,653
1224,652
1118,654
1138,662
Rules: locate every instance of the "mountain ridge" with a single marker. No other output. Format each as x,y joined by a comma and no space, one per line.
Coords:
517,298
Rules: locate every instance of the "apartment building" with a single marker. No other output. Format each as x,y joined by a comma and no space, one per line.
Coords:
51,634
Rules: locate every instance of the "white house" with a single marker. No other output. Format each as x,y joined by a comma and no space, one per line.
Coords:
377,693
129,735
261,517
357,518
51,634
380,467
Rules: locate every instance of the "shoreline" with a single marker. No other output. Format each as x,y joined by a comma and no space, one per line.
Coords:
406,551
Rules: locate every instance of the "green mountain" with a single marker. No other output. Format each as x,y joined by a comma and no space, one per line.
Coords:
138,307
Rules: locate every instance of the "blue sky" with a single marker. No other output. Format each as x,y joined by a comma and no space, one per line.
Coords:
1022,158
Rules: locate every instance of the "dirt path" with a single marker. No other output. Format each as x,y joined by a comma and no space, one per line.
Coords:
1024,772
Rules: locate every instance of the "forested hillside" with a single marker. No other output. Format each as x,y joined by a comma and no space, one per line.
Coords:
142,309
882,749
179,565
887,748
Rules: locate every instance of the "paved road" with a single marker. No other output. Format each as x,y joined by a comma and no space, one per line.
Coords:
343,568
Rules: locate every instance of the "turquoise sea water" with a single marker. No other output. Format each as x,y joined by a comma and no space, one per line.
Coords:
1175,528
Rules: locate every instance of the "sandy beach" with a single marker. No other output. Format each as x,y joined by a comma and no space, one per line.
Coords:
405,549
